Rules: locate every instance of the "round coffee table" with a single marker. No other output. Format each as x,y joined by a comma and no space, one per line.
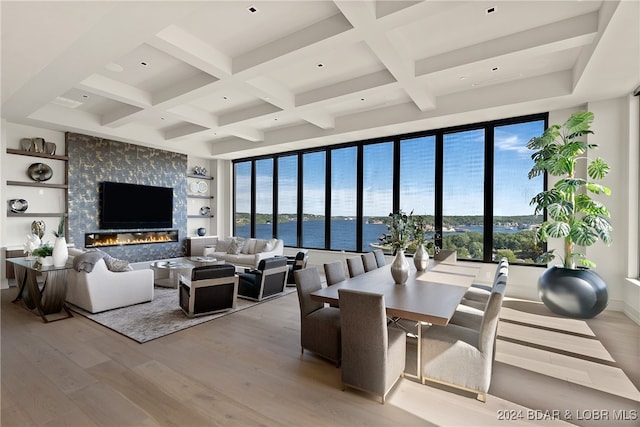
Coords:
175,268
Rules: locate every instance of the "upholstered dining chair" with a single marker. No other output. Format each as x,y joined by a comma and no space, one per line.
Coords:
477,295
355,266
462,357
379,254
470,316
334,272
320,330
268,280
373,355
369,261
210,289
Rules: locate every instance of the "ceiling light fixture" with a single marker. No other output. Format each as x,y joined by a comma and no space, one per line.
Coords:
252,9
144,63
320,65
490,10
495,69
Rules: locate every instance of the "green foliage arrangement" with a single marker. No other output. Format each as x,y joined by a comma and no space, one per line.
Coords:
572,214
60,231
43,251
400,229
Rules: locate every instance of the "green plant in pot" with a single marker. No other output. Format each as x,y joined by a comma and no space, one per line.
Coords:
572,215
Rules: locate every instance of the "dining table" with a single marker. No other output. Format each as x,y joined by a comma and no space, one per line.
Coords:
427,297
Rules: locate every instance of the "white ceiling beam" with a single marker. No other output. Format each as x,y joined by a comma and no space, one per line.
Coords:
194,115
184,130
563,35
319,32
186,90
115,90
120,116
261,111
346,88
319,118
247,133
399,64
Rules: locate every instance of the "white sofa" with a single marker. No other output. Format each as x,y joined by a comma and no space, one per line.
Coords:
102,289
251,251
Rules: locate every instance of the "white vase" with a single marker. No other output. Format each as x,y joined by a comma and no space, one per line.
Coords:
60,252
400,268
421,258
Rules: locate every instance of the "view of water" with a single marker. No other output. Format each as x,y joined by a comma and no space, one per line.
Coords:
343,233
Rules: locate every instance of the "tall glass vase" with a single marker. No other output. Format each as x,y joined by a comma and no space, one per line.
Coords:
60,252
421,258
400,268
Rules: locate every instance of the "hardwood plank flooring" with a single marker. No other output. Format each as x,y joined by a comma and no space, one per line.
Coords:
246,369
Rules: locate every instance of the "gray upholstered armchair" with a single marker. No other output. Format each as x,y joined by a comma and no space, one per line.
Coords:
462,357
319,325
373,355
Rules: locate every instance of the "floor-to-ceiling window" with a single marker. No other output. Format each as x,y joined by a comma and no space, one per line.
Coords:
463,193
469,183
377,191
313,199
242,198
344,180
264,199
288,199
513,234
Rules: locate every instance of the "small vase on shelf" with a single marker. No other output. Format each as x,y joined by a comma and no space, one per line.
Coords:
400,268
421,258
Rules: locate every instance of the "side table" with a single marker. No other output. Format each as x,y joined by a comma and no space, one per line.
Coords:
175,268
48,300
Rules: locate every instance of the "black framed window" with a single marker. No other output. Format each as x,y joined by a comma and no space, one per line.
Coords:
469,182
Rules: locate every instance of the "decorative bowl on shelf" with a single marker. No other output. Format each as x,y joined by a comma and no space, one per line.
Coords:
40,172
205,210
18,205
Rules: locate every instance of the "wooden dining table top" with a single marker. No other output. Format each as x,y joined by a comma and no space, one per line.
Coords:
428,296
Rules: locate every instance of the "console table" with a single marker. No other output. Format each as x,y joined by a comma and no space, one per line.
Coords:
46,301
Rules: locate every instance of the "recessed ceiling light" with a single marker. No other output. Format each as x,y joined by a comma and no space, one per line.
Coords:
144,63
362,99
252,9
495,69
320,65
490,10
225,98
85,96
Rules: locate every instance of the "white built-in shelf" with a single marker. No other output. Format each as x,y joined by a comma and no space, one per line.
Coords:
34,214
34,154
200,176
36,184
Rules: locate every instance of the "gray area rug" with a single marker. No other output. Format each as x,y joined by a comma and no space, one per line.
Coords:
160,317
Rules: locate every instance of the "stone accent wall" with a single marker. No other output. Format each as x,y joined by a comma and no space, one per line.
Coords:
93,160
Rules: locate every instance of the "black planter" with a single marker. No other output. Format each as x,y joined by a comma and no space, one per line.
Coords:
574,293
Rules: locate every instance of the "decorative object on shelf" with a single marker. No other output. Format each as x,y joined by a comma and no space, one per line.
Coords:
193,187
38,227
38,145
50,148
201,231
33,242
44,253
573,216
40,172
205,210
26,144
202,187
400,228
60,250
18,205
199,170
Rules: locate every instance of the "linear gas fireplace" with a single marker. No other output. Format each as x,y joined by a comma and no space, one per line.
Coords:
123,238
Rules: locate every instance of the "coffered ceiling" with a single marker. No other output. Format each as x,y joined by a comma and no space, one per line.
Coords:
230,79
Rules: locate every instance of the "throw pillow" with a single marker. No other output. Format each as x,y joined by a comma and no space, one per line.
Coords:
223,245
87,260
268,246
235,247
246,247
116,265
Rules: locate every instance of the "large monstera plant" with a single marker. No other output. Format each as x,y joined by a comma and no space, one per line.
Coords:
572,214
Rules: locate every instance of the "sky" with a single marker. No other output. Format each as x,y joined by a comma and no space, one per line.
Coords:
463,180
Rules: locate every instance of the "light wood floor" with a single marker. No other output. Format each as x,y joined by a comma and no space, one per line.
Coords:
245,369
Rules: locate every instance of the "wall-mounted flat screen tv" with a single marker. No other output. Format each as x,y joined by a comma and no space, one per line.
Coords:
132,206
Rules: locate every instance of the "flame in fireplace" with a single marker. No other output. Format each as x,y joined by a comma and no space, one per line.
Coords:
119,239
